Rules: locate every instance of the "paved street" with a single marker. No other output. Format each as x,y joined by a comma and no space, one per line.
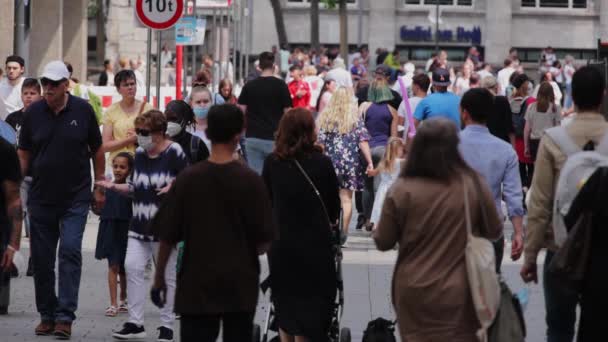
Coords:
367,280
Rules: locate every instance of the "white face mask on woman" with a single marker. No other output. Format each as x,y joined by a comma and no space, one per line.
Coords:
173,129
145,142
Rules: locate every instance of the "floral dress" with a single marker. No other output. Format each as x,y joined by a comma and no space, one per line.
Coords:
343,149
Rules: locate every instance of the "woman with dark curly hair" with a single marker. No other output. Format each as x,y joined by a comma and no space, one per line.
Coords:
302,271
180,117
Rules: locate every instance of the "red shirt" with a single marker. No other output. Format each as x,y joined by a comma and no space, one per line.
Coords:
299,102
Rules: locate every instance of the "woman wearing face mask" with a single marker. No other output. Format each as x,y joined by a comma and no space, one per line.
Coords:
118,128
158,160
180,117
200,101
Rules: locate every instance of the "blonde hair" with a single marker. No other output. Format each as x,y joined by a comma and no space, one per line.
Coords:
310,70
341,113
387,163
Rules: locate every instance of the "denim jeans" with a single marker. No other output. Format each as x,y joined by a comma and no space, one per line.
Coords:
371,183
568,96
49,226
26,184
560,306
257,151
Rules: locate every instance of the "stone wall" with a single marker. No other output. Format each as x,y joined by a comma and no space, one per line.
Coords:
6,28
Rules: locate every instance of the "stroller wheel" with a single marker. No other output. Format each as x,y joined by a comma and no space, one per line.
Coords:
257,333
345,335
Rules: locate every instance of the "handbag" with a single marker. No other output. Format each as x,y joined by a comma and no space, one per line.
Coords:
316,192
569,263
336,228
481,271
509,324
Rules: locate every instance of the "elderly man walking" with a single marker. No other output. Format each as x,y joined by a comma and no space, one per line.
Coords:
58,139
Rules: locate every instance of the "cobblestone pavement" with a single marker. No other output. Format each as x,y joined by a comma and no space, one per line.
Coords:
367,276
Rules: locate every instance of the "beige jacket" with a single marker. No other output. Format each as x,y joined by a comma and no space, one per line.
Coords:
584,127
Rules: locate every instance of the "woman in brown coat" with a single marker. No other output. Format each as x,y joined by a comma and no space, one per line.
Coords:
424,213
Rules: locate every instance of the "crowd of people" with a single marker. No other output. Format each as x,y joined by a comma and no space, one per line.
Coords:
228,178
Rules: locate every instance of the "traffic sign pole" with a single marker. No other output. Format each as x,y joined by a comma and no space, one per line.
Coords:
149,64
157,15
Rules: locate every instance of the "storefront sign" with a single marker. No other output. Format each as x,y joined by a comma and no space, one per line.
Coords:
460,35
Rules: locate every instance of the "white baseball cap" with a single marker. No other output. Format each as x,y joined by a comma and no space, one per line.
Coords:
55,71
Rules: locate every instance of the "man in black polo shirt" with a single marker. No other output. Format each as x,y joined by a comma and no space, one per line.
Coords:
58,138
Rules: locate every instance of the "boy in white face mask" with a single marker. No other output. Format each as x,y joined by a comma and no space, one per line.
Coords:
158,160
180,118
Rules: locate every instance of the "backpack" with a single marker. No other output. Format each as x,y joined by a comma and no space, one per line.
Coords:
518,115
580,165
195,142
379,330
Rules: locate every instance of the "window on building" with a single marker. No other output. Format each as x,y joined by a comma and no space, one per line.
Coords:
308,2
554,3
532,55
441,2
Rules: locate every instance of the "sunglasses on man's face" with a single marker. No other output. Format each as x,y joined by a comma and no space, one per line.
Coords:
50,83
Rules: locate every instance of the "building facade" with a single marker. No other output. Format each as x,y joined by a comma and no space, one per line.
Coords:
45,30
569,26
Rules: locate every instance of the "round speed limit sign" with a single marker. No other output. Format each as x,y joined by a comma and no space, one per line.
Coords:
159,14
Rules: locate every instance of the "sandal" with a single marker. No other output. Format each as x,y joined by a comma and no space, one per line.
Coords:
111,311
123,308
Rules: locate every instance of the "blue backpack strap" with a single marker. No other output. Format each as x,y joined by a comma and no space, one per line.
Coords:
560,136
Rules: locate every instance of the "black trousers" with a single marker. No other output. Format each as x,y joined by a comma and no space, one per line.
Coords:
499,251
237,327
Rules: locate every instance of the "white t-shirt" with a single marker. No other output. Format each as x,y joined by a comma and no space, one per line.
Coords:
342,77
203,136
557,74
11,96
414,101
461,86
483,73
316,84
503,79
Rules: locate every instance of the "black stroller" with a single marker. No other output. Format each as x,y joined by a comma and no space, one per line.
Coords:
336,332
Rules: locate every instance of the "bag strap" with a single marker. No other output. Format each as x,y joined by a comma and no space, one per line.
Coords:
315,190
194,144
141,108
467,213
560,136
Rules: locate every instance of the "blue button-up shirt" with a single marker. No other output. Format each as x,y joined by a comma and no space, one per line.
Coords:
497,162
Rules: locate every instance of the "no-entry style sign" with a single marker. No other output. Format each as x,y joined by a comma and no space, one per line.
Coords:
159,14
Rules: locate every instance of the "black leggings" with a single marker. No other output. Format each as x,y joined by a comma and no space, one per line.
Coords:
237,327
526,171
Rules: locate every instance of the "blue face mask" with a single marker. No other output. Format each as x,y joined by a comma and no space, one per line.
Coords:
201,113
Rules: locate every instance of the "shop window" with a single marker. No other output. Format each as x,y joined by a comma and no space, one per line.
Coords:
530,55
554,3
307,2
422,53
467,3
